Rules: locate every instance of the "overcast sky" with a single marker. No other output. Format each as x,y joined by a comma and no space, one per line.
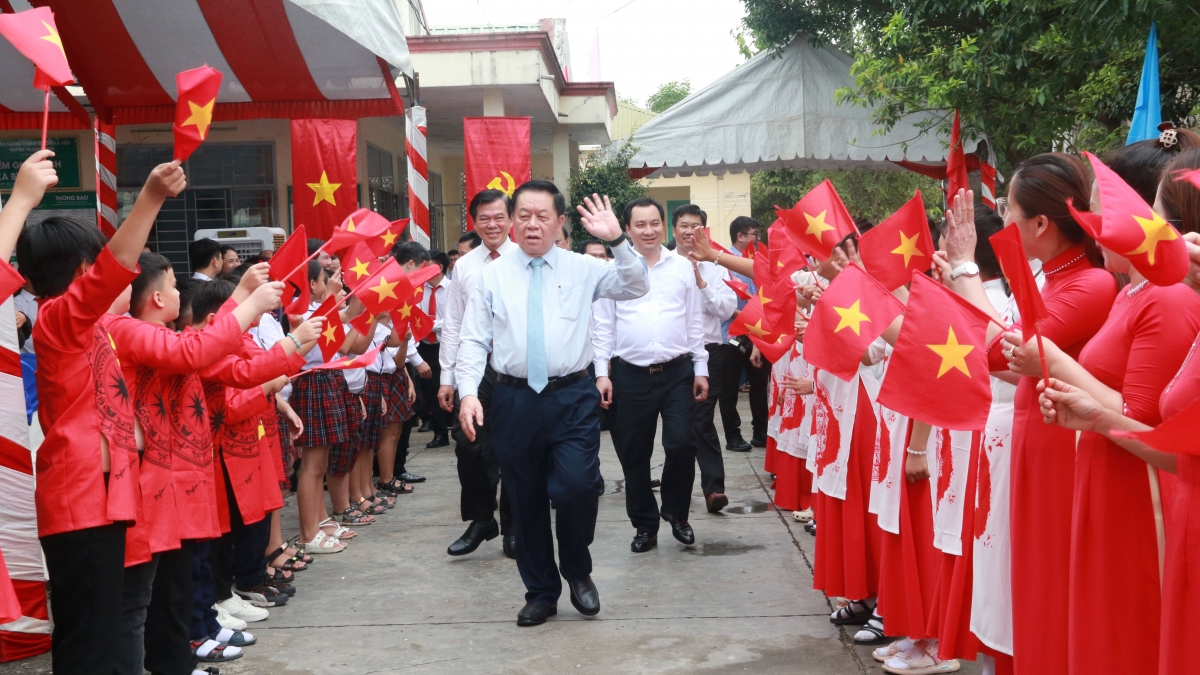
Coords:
643,43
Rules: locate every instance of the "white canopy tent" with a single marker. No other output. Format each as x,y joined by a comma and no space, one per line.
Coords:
780,111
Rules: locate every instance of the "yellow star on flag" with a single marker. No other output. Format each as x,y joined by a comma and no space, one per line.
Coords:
1156,230
360,268
762,298
418,291
405,310
908,247
852,318
389,238
201,117
954,355
323,191
386,289
53,38
261,431
816,225
330,334
757,329
349,222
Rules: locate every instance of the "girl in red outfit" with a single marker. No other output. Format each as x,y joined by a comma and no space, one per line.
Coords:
1091,410
1077,296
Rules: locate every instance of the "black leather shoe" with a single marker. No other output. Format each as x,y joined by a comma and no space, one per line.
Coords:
477,532
737,445
584,596
510,546
655,483
411,478
680,529
439,441
644,541
536,613
759,441
425,427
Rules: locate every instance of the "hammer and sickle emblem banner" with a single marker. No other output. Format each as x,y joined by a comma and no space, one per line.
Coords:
496,154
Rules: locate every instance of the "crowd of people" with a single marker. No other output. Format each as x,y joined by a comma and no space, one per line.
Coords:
181,414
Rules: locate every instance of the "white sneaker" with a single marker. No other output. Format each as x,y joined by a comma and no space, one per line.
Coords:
243,610
227,620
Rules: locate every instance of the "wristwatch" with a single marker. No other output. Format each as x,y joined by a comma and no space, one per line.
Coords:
615,242
967,269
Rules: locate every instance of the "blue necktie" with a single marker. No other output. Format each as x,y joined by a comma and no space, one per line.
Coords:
536,338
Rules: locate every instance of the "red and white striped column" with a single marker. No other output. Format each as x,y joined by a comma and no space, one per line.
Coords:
106,177
418,175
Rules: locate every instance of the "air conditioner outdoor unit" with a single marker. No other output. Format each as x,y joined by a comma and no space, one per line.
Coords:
247,241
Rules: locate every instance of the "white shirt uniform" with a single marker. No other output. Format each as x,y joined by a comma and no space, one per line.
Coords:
453,302
717,299
385,361
440,291
664,324
495,320
201,277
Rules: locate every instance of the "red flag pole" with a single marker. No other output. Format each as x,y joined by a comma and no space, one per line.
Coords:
45,116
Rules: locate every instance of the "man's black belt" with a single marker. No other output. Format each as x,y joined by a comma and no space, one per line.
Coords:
656,368
554,383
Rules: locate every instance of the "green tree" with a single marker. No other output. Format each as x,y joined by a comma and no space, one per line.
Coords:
669,94
1035,75
603,174
874,195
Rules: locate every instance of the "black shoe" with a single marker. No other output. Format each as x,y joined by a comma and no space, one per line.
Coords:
426,426
411,477
510,546
716,501
656,483
439,441
759,441
477,532
644,541
737,445
680,529
584,596
536,613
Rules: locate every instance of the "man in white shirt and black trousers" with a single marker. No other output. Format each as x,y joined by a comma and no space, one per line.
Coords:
651,362
530,311
478,470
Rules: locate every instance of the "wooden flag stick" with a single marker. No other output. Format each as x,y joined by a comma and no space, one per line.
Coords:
1037,333
45,116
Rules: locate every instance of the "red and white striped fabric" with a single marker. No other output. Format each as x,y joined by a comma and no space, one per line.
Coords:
30,634
418,175
106,177
279,58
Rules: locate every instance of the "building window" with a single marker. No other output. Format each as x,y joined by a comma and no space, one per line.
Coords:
381,180
229,185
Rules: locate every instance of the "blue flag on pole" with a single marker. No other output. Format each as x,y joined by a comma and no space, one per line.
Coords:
1147,112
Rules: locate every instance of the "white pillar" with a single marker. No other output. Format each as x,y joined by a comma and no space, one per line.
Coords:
493,102
561,155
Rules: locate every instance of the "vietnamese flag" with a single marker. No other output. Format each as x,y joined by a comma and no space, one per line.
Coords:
364,225
750,321
819,221
289,266
324,173
739,288
417,321
34,34
938,372
850,314
394,231
385,290
1010,251
198,89
1177,434
773,351
956,162
894,249
1129,227
777,293
359,263
787,256
495,155
712,242
334,335
345,363
11,280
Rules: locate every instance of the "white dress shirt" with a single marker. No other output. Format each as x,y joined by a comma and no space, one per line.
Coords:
495,319
201,277
665,323
717,299
453,303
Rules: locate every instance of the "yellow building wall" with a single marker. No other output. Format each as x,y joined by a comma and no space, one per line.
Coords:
723,198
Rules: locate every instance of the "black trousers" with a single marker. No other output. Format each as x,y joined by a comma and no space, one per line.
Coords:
135,601
640,398
167,649
87,579
204,617
708,442
479,469
548,445
759,378
439,419
239,556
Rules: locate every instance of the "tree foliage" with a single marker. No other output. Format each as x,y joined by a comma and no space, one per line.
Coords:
874,195
603,174
669,94
1035,75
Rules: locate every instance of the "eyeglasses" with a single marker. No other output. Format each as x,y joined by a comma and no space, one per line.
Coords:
1001,207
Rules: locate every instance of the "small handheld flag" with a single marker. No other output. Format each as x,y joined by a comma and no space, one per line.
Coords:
850,314
819,221
198,89
894,249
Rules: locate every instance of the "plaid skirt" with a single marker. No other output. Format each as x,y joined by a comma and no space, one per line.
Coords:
399,409
285,451
319,399
371,433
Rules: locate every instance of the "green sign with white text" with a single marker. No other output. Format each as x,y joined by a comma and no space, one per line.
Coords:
14,151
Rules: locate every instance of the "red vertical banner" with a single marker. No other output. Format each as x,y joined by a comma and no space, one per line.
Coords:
496,155
324,174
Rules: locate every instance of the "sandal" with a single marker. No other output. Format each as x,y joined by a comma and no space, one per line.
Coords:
396,486
237,638
211,651
292,564
855,612
871,632
371,508
280,576
349,517
323,543
339,532
918,661
884,653
386,498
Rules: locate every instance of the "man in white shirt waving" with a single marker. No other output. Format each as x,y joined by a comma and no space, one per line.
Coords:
652,348
530,310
